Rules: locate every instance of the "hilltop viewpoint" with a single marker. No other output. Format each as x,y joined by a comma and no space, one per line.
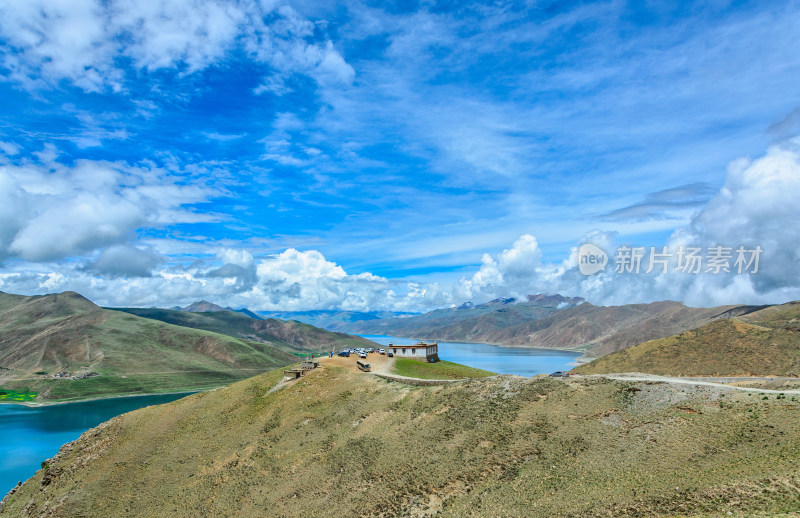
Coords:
340,442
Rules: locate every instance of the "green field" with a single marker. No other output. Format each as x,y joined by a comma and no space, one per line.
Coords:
438,370
7,396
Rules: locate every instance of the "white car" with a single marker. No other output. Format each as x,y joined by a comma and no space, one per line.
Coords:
383,351
362,355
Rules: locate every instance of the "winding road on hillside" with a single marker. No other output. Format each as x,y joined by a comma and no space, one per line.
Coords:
381,364
722,382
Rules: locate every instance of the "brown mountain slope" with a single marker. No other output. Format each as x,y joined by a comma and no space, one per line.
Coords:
554,322
45,335
600,330
202,306
343,443
768,344
291,336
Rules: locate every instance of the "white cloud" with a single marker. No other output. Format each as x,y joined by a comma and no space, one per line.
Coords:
757,206
80,223
289,280
8,148
88,42
125,261
52,211
241,258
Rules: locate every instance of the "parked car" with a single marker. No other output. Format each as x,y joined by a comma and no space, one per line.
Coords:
362,355
390,354
560,374
346,354
382,351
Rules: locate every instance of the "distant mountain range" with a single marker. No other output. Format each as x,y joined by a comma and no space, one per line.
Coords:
550,321
290,336
101,352
544,320
204,306
63,346
333,319
765,342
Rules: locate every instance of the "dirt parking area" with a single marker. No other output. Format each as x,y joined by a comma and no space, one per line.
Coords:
379,363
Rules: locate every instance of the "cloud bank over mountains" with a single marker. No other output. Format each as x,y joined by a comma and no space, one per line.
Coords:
301,155
754,208
751,209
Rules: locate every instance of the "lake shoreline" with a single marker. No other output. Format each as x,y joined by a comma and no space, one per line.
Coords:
516,346
521,360
39,404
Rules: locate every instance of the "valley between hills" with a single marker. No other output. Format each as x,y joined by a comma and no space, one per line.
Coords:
63,347
698,423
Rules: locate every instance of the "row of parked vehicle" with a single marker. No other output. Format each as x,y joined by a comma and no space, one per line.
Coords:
363,352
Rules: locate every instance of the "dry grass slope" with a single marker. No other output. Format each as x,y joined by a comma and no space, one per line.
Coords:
764,343
594,330
342,443
130,354
294,337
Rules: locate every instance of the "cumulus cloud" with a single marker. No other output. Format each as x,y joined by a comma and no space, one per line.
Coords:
89,42
125,261
757,207
293,279
238,269
511,272
290,280
241,258
52,211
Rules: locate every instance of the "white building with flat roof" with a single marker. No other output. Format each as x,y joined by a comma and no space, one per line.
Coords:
422,351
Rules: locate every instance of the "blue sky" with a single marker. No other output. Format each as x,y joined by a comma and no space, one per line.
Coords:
380,155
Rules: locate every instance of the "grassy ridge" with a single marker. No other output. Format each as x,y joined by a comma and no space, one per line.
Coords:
767,346
337,443
129,354
294,337
438,370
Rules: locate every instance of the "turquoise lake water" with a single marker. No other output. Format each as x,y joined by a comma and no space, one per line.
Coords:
30,435
522,361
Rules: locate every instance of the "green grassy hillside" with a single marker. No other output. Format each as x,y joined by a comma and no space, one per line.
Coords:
768,344
42,336
290,336
439,370
342,443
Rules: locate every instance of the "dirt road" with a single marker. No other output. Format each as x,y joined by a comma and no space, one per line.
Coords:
724,383
381,364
